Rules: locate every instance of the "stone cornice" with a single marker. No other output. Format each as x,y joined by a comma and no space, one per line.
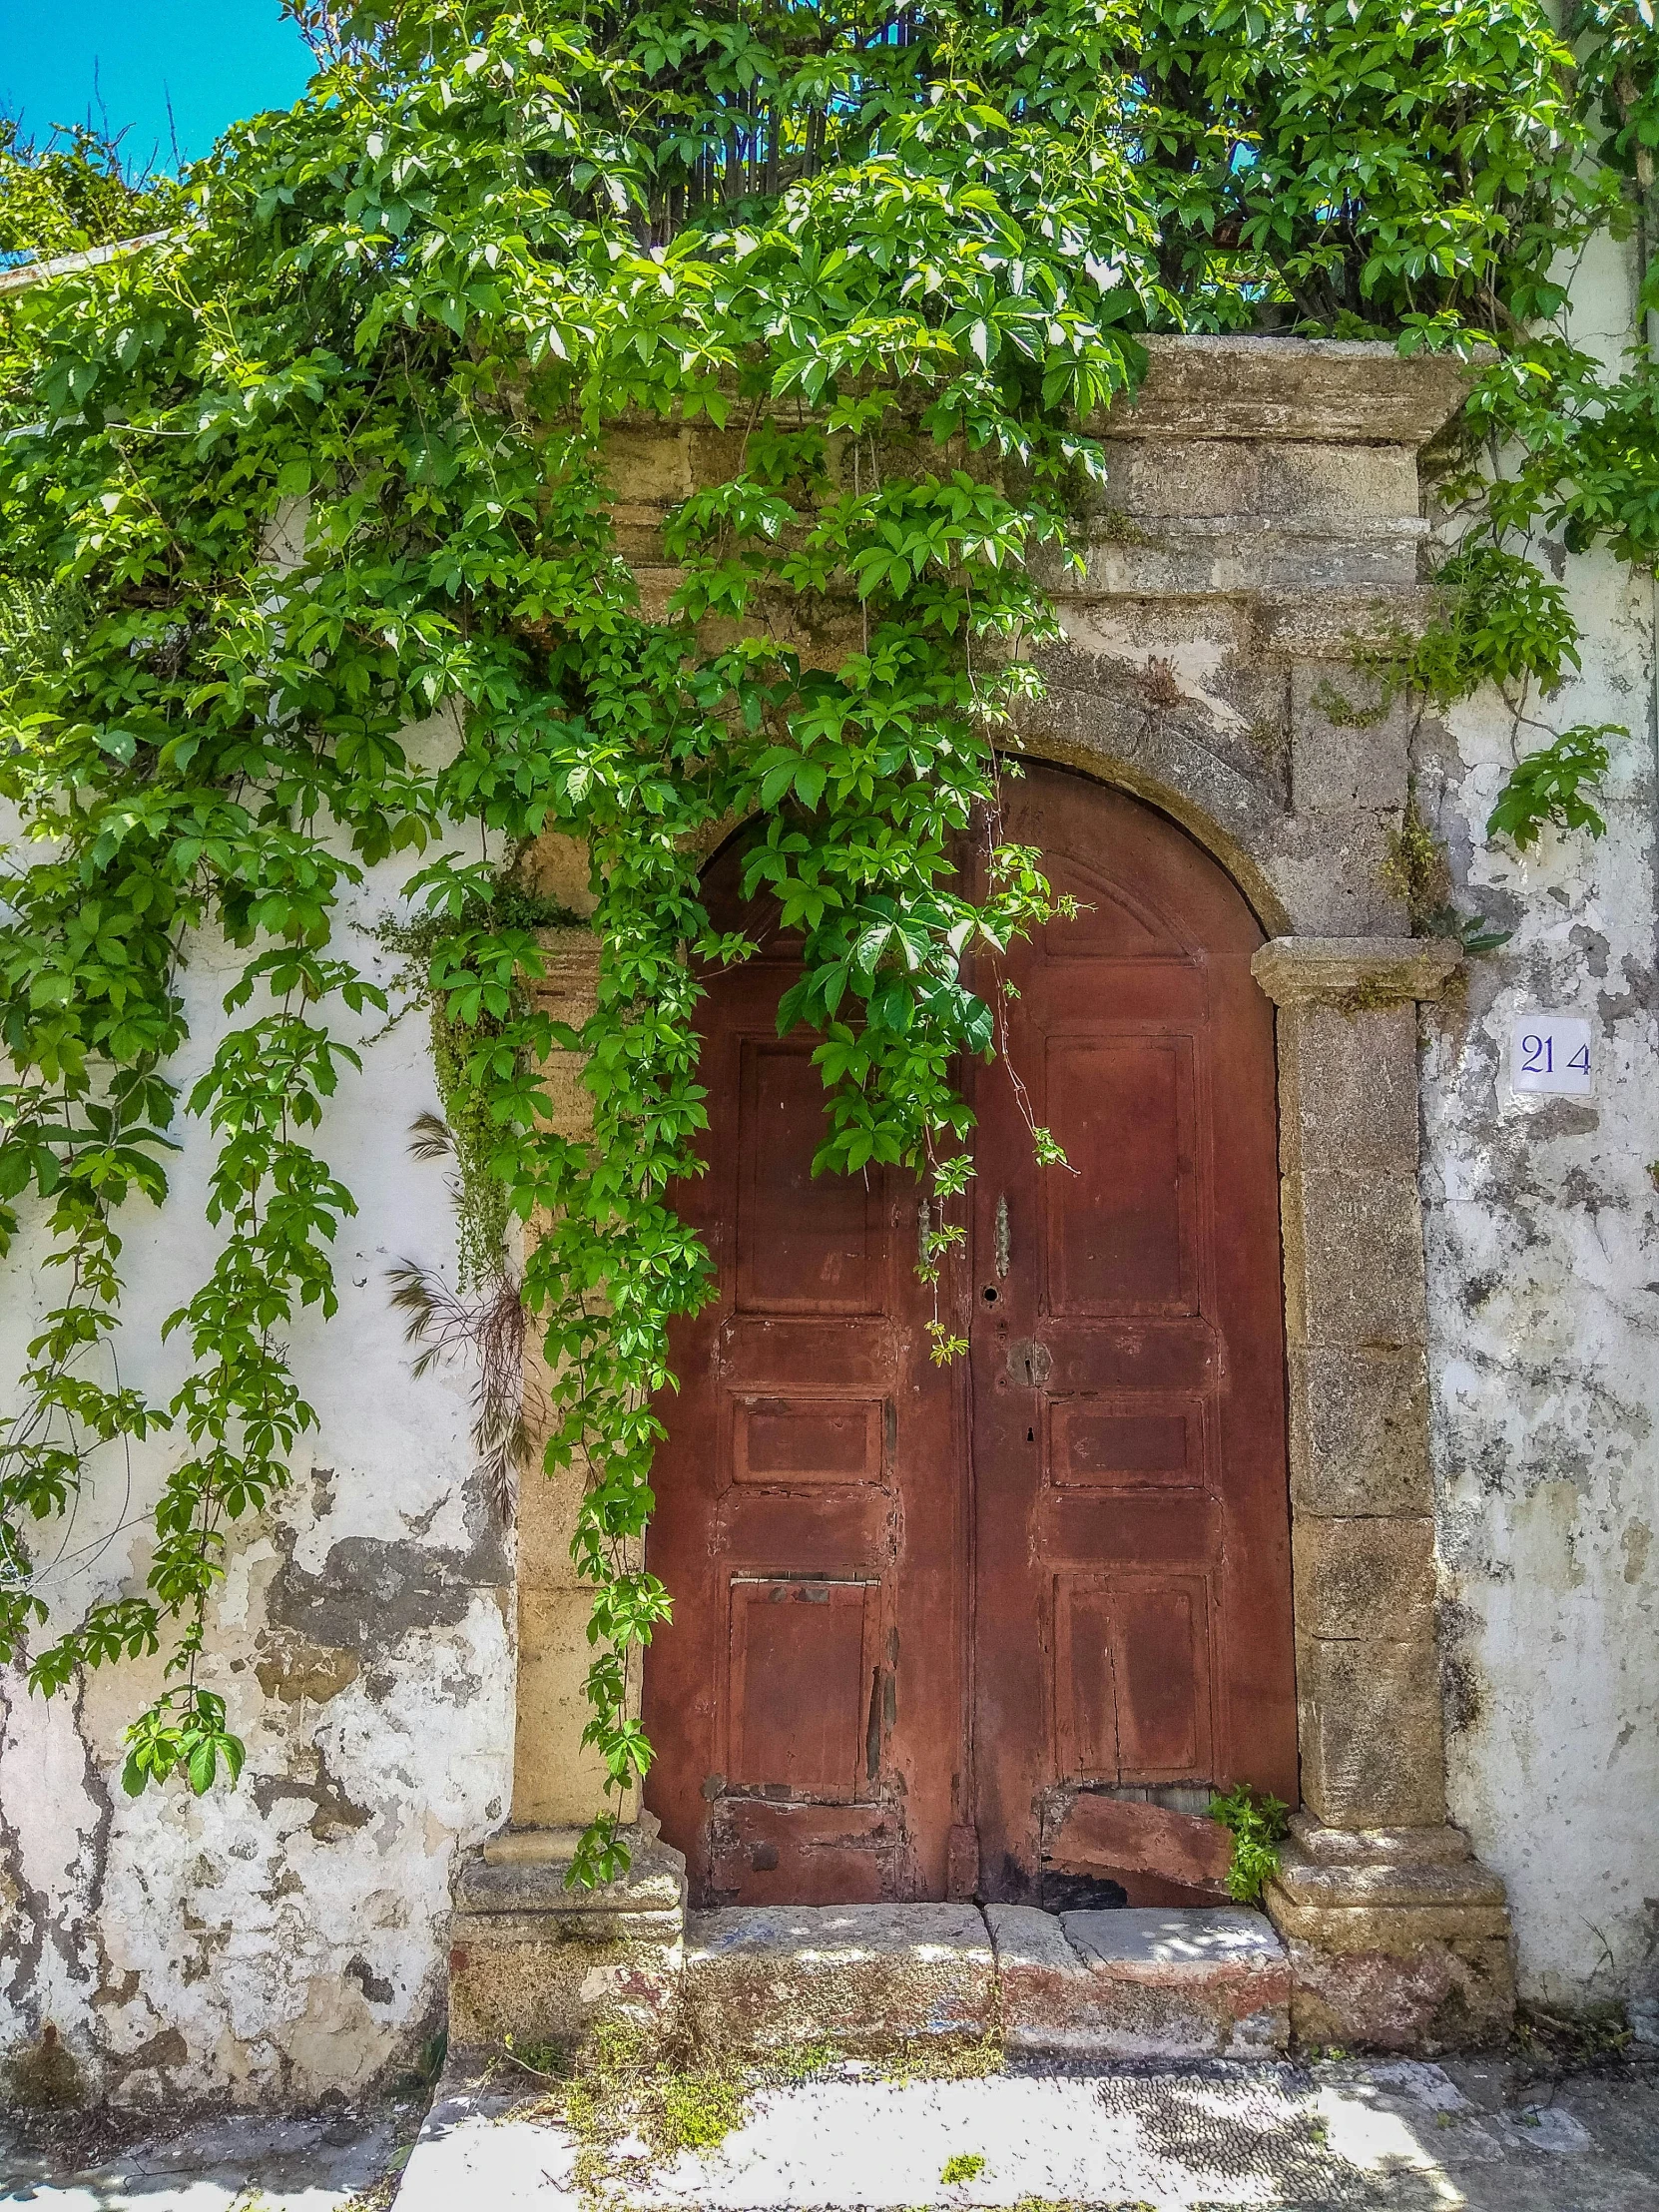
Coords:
1356,972
1332,391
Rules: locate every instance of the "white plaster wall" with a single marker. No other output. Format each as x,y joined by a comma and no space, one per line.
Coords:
1542,1230
284,1938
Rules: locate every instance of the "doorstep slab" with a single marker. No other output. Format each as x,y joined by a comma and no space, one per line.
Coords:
1142,1982
862,1978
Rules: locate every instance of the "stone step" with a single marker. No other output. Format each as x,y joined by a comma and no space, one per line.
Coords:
863,1977
1149,1982
1141,1982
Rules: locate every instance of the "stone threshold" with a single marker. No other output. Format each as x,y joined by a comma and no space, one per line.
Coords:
1154,1981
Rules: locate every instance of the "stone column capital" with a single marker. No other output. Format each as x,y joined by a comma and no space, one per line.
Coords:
1356,973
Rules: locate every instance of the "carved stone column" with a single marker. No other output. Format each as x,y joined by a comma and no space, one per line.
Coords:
1397,1935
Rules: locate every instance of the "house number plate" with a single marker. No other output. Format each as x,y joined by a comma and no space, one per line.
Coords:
1550,1053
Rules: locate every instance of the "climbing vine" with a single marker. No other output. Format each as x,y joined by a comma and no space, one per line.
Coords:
329,461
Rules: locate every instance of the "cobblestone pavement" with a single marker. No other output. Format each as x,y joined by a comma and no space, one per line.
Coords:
1396,2134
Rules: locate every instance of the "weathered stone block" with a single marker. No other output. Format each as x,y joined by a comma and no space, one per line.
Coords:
1442,1994
1209,1980
532,1959
1046,1989
1294,970
1325,391
864,1976
1354,1266
1359,1431
1331,873
1307,483
1204,554
1364,1577
556,1779
649,466
1347,752
1360,1847
1426,1891
1152,1983
1398,1938
1348,1087
1373,1742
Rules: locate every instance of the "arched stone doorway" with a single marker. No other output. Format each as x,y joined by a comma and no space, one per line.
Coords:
1273,489
925,1617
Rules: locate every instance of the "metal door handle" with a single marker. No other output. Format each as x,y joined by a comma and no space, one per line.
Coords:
1003,1251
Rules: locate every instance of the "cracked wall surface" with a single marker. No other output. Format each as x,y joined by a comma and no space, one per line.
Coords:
1542,1231
285,1940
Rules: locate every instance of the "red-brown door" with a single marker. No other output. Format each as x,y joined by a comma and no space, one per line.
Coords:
807,1703
1132,1618
917,1609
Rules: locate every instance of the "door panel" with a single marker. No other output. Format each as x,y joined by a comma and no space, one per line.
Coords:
916,1611
802,1653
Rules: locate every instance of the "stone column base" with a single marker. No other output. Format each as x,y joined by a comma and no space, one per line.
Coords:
545,1965
1399,1939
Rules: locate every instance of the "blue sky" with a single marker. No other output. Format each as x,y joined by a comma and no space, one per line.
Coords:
125,60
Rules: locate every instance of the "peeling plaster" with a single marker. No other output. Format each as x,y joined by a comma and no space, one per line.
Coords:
1541,1223
283,1941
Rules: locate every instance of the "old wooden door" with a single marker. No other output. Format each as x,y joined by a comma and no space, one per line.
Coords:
806,1704
1132,1623
917,1611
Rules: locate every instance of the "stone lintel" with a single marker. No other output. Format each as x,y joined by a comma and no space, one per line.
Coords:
1332,391
1356,973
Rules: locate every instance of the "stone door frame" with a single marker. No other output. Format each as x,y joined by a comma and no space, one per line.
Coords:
1261,512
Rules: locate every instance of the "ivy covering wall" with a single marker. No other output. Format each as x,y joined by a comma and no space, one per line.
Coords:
901,259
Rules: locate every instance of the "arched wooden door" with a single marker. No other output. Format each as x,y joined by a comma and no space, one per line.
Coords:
918,1610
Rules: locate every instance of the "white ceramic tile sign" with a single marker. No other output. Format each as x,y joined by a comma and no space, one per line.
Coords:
1550,1053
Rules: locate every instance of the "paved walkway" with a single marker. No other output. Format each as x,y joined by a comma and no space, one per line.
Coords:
1407,2136
221,2165
1402,2136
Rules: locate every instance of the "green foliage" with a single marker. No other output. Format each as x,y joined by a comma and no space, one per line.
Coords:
483,1215
75,191
633,2102
1548,787
328,461
1503,620
1415,869
1258,1825
185,1729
